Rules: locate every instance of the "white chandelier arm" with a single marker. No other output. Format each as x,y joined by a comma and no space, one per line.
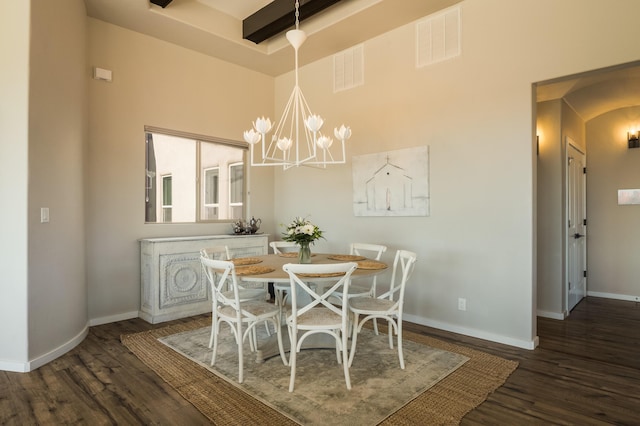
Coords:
287,149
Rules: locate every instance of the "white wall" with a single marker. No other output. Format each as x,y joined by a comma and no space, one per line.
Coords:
613,234
475,113
157,84
14,145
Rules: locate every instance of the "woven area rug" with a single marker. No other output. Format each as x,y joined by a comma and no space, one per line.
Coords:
442,395
320,397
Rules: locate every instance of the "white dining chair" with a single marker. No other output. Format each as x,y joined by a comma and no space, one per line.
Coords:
222,253
280,289
364,287
387,306
318,316
280,247
229,308
216,252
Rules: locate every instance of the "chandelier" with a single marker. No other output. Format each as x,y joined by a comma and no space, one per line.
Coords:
297,140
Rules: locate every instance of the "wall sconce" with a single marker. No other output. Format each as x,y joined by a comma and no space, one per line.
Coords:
632,137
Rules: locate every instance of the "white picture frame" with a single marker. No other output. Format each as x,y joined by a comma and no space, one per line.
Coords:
392,183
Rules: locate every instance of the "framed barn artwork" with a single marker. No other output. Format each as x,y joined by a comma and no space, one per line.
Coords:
392,183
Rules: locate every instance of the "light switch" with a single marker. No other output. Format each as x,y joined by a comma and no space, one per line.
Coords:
44,214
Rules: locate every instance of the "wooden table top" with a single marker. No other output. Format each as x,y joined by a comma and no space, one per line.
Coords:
366,268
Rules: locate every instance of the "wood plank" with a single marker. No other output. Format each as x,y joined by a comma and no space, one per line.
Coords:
585,371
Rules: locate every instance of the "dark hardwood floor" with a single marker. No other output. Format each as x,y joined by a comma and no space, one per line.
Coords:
585,371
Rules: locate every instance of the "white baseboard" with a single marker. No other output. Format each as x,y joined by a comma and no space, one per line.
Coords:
524,344
564,315
113,318
49,356
614,296
16,367
24,367
552,315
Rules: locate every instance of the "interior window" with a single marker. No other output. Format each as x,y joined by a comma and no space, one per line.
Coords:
193,178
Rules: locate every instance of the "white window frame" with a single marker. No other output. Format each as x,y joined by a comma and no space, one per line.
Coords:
231,166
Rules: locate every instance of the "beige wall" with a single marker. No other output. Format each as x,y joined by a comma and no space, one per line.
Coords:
158,84
475,113
613,231
57,141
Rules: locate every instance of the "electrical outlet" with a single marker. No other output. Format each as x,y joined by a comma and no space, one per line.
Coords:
462,304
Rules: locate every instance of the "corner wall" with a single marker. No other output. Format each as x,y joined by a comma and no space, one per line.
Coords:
57,141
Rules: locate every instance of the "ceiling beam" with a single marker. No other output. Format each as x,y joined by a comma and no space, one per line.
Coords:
278,16
161,3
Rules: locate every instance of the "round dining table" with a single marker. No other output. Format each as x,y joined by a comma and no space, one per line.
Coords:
268,269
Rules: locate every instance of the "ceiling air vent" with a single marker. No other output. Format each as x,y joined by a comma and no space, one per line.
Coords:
438,37
348,68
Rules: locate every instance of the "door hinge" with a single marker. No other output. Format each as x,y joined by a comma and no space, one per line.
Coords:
584,222
584,170
584,274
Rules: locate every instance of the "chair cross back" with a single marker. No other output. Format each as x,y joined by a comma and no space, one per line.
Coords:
216,252
280,247
359,248
318,299
224,271
406,261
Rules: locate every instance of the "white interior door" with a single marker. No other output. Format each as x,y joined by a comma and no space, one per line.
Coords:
576,282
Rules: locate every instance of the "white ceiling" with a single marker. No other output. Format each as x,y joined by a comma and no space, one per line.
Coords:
214,27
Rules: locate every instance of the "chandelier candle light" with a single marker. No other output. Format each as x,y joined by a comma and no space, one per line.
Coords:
286,148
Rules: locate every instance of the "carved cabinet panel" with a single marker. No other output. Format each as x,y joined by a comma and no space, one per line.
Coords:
173,284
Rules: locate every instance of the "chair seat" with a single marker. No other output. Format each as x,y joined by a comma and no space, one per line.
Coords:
255,308
247,293
318,317
368,304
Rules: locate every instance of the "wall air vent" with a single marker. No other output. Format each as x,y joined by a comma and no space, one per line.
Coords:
348,68
438,37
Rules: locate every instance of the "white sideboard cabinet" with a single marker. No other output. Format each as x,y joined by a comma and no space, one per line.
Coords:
173,284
